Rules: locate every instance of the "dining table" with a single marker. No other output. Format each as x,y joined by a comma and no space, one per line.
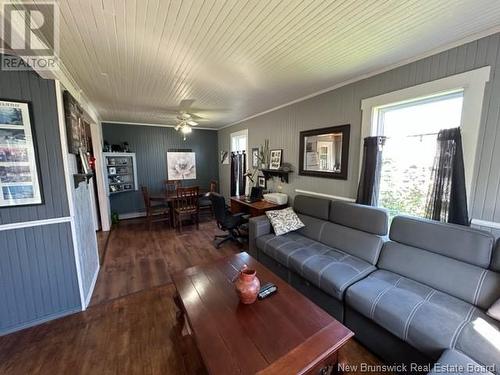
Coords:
170,196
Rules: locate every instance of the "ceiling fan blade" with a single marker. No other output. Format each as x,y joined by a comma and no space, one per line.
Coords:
185,104
196,117
192,123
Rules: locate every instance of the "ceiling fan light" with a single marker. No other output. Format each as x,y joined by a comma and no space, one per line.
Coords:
186,129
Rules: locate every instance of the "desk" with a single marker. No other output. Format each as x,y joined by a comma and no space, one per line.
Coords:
258,208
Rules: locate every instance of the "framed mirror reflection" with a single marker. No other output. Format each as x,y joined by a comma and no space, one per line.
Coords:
325,152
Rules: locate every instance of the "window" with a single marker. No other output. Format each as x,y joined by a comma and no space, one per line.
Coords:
410,119
407,160
239,142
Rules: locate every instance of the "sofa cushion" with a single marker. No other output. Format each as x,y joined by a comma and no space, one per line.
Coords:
280,247
313,227
453,362
463,280
480,340
454,241
426,318
284,221
311,206
365,218
329,269
360,244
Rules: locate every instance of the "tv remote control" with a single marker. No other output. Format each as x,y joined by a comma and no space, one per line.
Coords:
266,290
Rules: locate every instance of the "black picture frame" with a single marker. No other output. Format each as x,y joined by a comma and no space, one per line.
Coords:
273,164
344,163
36,157
262,182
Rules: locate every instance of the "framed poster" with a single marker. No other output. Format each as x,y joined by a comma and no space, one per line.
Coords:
275,159
19,178
181,165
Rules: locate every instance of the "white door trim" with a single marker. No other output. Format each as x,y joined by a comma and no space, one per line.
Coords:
69,187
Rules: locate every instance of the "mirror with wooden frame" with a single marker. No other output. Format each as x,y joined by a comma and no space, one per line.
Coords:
325,152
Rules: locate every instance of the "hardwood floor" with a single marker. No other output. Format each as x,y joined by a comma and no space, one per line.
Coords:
138,259
137,334
131,328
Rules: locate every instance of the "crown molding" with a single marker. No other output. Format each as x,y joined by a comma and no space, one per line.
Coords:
152,124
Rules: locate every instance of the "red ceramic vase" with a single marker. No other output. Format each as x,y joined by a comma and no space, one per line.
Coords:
247,286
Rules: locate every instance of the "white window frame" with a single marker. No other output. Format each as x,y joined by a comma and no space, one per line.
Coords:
237,134
472,83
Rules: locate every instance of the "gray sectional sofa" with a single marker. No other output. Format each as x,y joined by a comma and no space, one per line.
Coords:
417,294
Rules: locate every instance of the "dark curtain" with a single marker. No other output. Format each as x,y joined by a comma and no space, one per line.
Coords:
241,172
447,199
238,167
368,188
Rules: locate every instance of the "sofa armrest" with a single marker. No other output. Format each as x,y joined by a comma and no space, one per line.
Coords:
257,227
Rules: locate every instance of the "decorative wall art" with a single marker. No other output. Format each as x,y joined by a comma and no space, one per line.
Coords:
262,182
75,126
181,165
19,179
275,159
224,157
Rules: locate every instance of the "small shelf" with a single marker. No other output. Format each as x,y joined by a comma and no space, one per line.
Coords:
77,178
269,173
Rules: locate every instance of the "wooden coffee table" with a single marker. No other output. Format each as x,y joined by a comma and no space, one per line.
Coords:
282,334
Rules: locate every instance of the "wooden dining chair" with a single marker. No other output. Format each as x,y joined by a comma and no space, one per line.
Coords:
205,201
156,208
186,205
171,186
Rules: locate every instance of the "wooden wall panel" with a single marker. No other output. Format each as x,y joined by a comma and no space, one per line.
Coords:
28,86
343,105
37,275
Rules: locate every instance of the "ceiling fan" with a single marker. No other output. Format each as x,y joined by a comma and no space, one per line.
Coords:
185,120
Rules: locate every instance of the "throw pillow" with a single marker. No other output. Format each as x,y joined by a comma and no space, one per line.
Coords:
284,221
494,310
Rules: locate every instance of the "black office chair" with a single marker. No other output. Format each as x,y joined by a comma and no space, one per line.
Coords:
226,221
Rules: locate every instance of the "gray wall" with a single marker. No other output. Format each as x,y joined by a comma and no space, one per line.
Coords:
37,276
342,106
28,86
150,144
37,268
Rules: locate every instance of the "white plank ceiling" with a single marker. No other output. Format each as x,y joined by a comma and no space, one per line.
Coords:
137,59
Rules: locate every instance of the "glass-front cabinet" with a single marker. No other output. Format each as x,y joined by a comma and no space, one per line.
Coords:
121,172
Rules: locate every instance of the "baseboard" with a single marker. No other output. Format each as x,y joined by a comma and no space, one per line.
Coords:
92,286
131,215
38,321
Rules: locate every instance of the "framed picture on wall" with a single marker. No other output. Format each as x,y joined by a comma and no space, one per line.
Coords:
181,165
19,171
224,157
262,182
275,158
